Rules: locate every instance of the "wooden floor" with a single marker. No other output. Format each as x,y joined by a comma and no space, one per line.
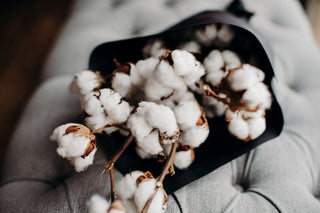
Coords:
28,30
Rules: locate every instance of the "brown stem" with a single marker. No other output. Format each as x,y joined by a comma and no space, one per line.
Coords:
112,185
114,158
163,174
111,124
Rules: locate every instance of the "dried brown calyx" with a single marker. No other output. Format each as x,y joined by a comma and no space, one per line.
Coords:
203,119
145,177
124,68
167,57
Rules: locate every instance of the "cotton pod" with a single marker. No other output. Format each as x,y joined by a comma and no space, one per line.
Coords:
184,157
98,204
224,35
239,128
156,91
80,163
187,114
195,75
154,49
162,118
194,136
99,120
127,186
143,69
183,62
212,107
150,143
231,59
257,96
214,61
86,81
138,125
93,105
256,126
190,46
242,78
167,75
206,34
121,82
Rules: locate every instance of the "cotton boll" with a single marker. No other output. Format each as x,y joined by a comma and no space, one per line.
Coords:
260,74
256,126
257,96
215,78
85,82
154,49
73,143
233,115
253,114
138,125
120,113
225,35
130,206
144,191
97,204
183,159
239,128
142,154
80,164
166,76
156,91
213,107
197,87
242,78
127,186
93,106
214,61
158,204
190,46
206,35
183,62
143,69
150,144
109,98
195,74
195,136
121,83
231,59
187,114
97,121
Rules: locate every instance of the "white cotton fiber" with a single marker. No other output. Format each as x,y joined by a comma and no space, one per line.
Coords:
195,75
80,164
233,115
157,205
256,126
155,91
98,121
206,35
85,82
183,159
190,46
225,35
194,136
130,206
109,98
231,59
150,144
257,95
260,74
215,78
154,49
127,186
139,127
98,204
93,106
214,61
144,192
187,114
121,83
142,154
183,62
239,128
166,76
120,112
242,78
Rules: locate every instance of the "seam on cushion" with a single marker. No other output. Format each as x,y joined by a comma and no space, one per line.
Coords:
68,196
52,183
247,167
267,198
177,201
232,203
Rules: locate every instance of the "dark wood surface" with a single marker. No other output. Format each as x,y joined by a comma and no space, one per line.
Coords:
28,31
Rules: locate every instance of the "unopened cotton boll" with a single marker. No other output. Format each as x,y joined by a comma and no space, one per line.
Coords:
194,136
256,126
183,159
86,81
80,164
231,59
98,204
214,61
72,139
187,114
127,186
150,144
121,83
242,78
138,125
190,46
239,128
206,35
183,62
257,96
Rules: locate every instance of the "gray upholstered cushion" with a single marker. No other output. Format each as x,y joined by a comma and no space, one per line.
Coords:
282,175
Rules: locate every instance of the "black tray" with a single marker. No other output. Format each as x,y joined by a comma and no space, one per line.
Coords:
220,147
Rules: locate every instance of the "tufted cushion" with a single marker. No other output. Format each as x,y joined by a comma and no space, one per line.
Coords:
282,175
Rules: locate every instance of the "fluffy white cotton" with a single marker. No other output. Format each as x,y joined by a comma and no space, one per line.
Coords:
233,115
190,46
212,107
183,159
97,204
80,164
206,35
143,69
130,206
155,91
121,83
138,125
214,61
225,35
109,98
231,59
187,114
260,74
150,144
215,78
72,144
162,118
93,105
256,127
195,136
127,186
120,113
195,74
97,121
85,82
256,96
253,114
183,62
154,49
166,76
239,128
143,193
142,154
157,205
242,78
